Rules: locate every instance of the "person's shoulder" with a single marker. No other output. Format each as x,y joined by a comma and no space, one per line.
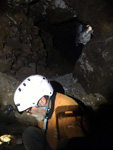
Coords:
65,99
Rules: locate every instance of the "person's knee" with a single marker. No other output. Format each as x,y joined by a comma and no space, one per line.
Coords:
32,132
28,131
33,138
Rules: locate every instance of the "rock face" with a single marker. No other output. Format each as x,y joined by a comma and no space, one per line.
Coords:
7,88
94,68
21,47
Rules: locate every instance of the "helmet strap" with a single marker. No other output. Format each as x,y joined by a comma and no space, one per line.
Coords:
44,107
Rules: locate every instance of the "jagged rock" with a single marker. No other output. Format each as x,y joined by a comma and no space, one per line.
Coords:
94,68
24,72
21,44
52,11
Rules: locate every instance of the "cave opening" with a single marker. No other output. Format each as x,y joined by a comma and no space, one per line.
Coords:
64,50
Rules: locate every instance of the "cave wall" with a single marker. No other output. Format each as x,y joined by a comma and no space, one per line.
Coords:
26,45
94,67
21,48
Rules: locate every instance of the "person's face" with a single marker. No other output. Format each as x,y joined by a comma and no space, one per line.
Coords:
39,113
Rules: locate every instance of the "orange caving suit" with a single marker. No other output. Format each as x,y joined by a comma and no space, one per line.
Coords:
63,122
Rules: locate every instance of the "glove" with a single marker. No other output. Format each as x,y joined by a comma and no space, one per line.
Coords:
6,139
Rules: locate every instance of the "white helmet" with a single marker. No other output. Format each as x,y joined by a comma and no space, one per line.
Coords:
30,91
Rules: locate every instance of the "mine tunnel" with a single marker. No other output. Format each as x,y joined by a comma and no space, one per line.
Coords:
69,42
